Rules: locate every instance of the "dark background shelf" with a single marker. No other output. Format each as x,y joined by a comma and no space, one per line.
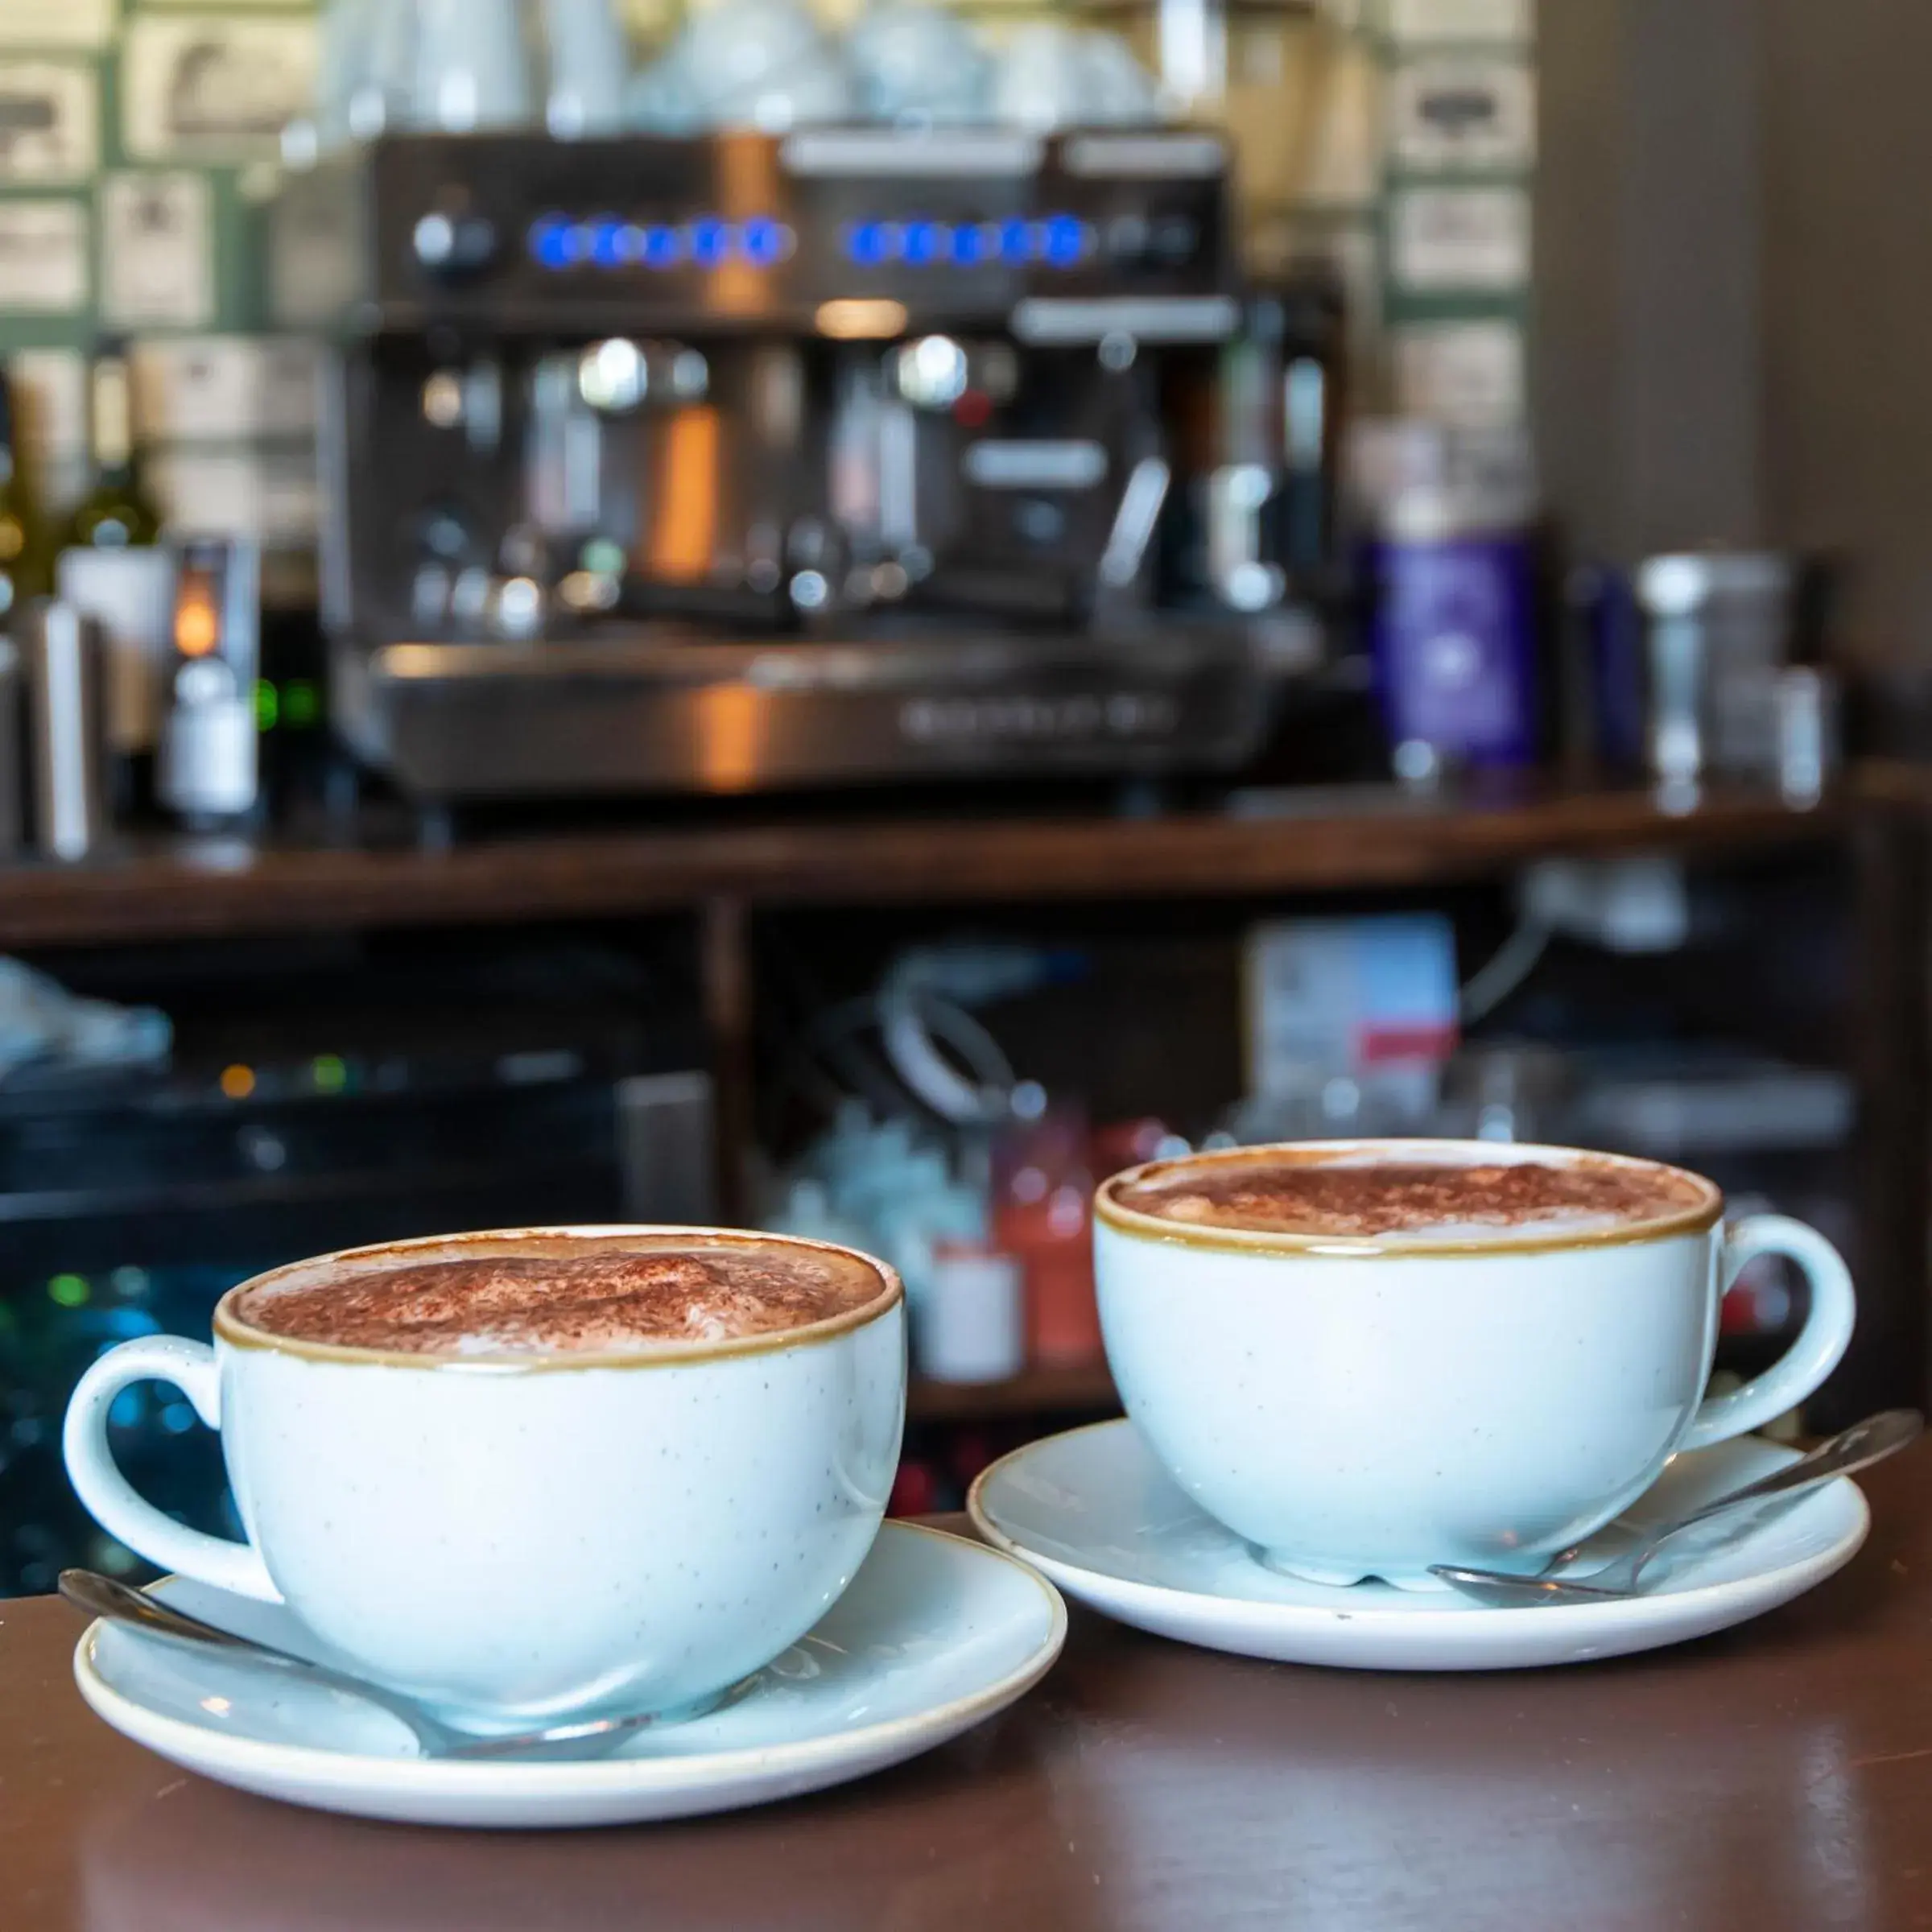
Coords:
721,881
1349,840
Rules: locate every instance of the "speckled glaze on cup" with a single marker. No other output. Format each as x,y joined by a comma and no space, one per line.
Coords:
1358,1407
513,1538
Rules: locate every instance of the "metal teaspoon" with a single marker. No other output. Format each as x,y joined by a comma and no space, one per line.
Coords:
121,1604
1858,1447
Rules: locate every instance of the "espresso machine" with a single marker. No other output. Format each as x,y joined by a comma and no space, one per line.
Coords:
742,463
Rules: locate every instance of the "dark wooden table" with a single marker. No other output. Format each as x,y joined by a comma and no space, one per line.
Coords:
1777,1777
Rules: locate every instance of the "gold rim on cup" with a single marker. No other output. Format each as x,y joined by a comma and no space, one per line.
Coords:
230,1327
1107,1207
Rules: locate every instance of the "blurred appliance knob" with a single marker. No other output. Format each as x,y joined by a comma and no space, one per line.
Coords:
265,1151
451,241
442,531
1174,241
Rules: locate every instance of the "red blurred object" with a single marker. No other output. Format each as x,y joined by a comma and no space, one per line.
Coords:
1758,1301
1043,1199
1063,1314
970,1452
915,1491
1125,1143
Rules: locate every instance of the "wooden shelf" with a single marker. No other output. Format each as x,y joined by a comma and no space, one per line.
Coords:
727,865
1313,841
1087,1391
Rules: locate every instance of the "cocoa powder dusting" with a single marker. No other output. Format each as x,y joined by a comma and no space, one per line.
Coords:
608,1299
1315,1197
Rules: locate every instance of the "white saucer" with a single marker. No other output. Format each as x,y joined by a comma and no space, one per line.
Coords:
1095,1511
934,1634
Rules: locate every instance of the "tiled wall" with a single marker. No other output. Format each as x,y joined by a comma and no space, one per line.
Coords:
1404,151
1460,148
137,140
138,145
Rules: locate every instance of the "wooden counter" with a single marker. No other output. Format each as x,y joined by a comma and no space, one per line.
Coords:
1776,1778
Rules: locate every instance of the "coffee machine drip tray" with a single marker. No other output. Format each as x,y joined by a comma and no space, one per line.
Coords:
671,711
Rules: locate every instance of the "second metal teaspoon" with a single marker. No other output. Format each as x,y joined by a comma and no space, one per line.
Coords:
1858,1447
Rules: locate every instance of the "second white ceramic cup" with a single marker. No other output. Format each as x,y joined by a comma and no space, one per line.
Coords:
1360,1408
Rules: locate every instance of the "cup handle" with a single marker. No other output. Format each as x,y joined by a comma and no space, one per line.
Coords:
1820,1343
111,1500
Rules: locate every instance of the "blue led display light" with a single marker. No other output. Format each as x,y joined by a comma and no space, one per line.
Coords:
762,242
608,242
872,243
1060,241
1065,241
558,243
553,243
1016,242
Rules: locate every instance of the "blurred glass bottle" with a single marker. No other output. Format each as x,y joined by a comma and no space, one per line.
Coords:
587,66
365,69
458,66
23,558
1296,85
1042,1196
1128,1143
473,66
118,512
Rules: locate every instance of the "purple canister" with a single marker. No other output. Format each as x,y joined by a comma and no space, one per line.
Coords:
1454,632
1607,644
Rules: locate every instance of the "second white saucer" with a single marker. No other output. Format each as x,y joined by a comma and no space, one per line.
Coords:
1095,1511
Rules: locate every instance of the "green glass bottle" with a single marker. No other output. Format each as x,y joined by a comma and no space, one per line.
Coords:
118,512
22,558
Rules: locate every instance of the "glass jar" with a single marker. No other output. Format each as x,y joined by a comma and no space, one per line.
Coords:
1296,84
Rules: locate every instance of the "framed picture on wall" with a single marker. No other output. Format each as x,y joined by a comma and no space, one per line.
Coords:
43,258
1460,111
50,122
213,87
1470,374
40,23
1447,240
157,251
1432,22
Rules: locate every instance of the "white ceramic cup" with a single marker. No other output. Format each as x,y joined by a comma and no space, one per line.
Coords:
512,1538
1357,1407
473,66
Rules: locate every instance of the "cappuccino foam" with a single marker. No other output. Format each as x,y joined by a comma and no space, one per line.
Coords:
562,1296
1354,1197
